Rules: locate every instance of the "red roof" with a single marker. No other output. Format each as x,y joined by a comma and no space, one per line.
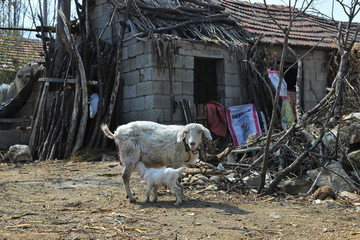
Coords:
307,30
19,51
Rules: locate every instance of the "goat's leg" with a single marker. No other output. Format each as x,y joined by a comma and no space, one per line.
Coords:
128,168
178,183
178,191
148,190
155,192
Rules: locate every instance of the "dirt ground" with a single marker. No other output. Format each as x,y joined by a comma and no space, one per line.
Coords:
86,200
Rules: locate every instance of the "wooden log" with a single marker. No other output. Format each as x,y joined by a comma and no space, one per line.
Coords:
36,125
116,86
206,172
81,87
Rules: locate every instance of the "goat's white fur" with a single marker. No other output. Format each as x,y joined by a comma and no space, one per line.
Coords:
156,145
156,177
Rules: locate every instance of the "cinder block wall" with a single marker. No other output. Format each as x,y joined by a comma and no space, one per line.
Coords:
147,88
315,72
315,76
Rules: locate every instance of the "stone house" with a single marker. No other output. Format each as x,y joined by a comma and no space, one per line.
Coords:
204,67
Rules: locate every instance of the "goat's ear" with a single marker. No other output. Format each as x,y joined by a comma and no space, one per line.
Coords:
181,135
206,133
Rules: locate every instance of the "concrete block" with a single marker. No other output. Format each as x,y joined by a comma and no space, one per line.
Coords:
148,47
133,64
129,91
157,101
231,67
166,87
125,53
145,60
131,77
125,66
177,88
156,115
184,62
148,88
177,117
128,40
232,79
187,88
152,73
137,104
232,91
136,49
124,106
184,75
128,117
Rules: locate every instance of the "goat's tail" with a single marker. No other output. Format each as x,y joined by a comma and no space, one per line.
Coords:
107,132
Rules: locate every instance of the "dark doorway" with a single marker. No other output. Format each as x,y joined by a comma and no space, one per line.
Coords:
290,79
205,84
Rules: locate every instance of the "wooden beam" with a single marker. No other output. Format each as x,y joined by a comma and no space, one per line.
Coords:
62,80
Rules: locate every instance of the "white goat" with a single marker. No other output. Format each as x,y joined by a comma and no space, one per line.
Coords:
156,145
156,177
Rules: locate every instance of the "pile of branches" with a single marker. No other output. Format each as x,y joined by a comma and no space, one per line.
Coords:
188,19
61,124
301,147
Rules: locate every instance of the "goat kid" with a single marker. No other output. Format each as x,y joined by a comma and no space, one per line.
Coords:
156,145
156,177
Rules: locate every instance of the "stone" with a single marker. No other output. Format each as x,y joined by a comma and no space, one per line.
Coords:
349,196
215,179
354,133
354,157
333,178
19,153
324,192
296,185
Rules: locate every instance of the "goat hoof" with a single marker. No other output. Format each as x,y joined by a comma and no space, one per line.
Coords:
177,203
